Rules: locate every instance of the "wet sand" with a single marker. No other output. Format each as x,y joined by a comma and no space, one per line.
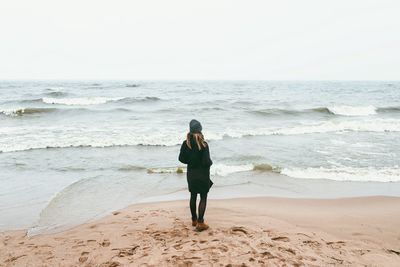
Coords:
243,232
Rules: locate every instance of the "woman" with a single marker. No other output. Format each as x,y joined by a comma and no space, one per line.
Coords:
196,154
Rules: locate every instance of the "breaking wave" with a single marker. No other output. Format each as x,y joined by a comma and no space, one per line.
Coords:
353,111
128,168
220,169
14,139
346,173
334,173
26,111
334,110
17,112
167,170
224,170
377,125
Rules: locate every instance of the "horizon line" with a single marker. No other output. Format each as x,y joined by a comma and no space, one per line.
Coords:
222,80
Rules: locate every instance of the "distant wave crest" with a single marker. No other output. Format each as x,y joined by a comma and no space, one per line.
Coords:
80,100
139,99
132,85
389,109
56,93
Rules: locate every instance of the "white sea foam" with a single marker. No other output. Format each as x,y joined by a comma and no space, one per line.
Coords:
224,170
167,170
377,125
36,137
218,169
80,100
10,112
346,173
353,110
13,112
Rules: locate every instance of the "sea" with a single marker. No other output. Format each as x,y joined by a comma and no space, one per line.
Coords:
73,151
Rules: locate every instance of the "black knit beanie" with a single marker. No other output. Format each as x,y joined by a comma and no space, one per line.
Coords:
195,126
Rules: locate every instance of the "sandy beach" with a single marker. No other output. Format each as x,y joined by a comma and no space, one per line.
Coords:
243,232
277,122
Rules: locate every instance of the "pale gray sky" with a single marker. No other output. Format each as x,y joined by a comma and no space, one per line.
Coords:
207,39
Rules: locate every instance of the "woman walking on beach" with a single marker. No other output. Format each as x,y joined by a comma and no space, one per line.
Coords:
196,154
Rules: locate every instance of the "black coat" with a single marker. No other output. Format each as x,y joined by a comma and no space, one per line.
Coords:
198,167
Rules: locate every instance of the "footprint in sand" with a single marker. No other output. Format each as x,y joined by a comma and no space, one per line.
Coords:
110,264
311,243
297,264
164,211
14,258
105,243
265,245
336,245
340,261
361,252
124,252
241,229
84,257
289,250
267,254
48,246
223,248
281,238
177,246
393,251
303,235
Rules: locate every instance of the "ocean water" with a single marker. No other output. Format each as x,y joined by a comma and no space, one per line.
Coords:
72,151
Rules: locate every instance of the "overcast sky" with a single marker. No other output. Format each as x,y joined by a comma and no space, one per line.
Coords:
207,39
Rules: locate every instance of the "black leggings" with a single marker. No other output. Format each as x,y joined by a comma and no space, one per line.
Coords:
202,206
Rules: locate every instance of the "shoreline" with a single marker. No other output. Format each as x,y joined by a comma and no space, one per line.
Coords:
64,211
250,231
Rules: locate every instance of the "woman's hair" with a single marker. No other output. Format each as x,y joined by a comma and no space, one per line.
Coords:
198,137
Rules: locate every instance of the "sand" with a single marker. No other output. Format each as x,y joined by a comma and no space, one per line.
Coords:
243,232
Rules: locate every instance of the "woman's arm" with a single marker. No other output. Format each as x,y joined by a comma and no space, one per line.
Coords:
183,154
206,159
